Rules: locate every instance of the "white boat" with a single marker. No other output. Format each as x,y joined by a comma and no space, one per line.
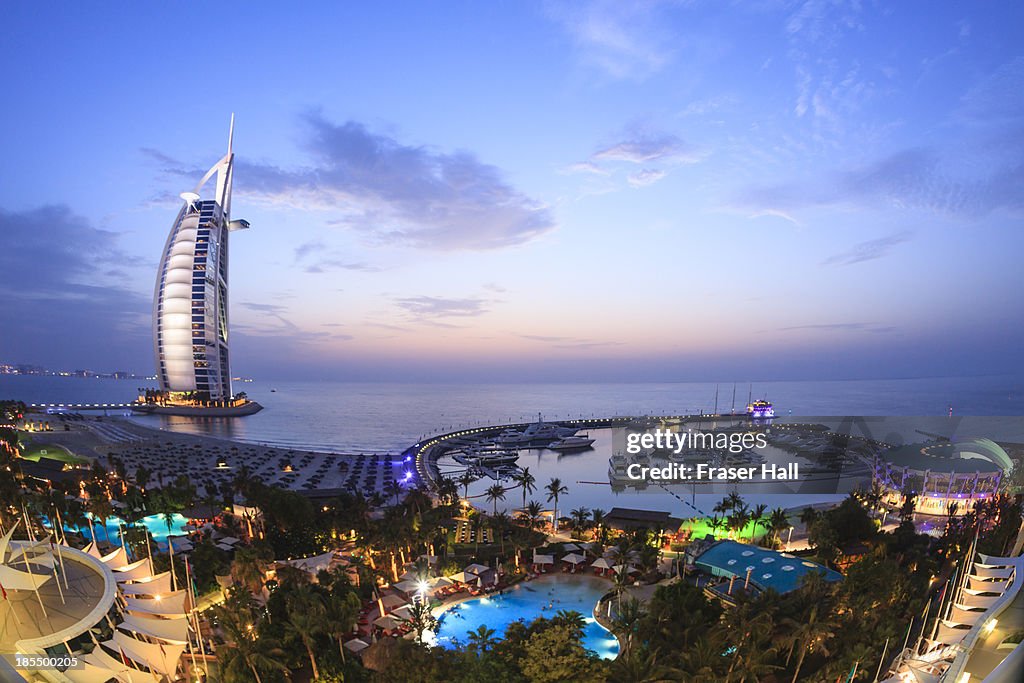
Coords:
571,443
539,433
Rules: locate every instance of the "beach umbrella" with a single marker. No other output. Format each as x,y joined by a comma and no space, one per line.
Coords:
356,645
601,563
573,558
461,577
442,581
387,622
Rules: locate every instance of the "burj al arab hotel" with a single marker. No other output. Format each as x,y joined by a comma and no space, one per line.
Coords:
190,306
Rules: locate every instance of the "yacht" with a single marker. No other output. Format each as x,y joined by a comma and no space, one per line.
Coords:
539,433
571,443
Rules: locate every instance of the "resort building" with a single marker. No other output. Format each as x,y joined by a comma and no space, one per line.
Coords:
748,565
943,473
190,305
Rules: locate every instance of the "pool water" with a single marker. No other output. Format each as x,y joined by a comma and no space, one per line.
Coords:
542,597
155,523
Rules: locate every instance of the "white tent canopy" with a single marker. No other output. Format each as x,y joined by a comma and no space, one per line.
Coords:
387,622
964,616
477,569
159,585
136,571
116,560
573,558
978,584
160,658
168,630
971,600
543,559
99,658
600,563
356,645
992,572
168,604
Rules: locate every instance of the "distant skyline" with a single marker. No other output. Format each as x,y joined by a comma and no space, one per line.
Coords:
675,191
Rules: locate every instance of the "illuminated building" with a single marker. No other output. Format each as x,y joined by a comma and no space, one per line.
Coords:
190,305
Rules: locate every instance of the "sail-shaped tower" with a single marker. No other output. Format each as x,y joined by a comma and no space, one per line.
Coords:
190,306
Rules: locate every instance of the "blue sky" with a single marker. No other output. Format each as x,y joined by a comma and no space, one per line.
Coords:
564,191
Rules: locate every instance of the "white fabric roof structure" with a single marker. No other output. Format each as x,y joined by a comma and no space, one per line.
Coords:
960,615
571,547
168,605
118,559
403,613
601,563
89,673
160,658
99,658
391,601
441,582
992,572
159,585
173,631
950,635
978,584
309,564
356,645
573,558
387,622
409,587
543,559
461,577
970,599
477,569
135,571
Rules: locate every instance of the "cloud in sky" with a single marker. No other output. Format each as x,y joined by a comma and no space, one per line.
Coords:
641,148
840,327
431,307
915,178
624,40
869,250
656,151
394,192
66,296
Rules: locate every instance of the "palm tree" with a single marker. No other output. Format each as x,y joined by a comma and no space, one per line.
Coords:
465,479
247,569
641,667
244,651
501,523
580,517
717,524
757,516
555,488
597,516
342,612
495,493
527,481
392,488
477,522
533,511
778,522
626,619
811,636
420,619
306,620
447,490
481,639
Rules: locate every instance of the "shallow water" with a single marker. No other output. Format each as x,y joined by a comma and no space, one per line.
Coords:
543,597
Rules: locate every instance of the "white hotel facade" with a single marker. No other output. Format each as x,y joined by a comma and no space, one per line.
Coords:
190,305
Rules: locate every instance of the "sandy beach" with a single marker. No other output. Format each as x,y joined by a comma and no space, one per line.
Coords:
208,462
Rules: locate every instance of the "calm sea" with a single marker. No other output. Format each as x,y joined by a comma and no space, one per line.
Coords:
358,417
364,417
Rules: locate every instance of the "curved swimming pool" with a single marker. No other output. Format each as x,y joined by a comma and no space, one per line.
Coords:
526,601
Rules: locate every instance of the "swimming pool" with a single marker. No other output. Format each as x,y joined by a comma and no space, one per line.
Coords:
543,597
155,523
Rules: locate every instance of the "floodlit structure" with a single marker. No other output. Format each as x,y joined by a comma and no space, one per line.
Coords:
942,474
190,304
